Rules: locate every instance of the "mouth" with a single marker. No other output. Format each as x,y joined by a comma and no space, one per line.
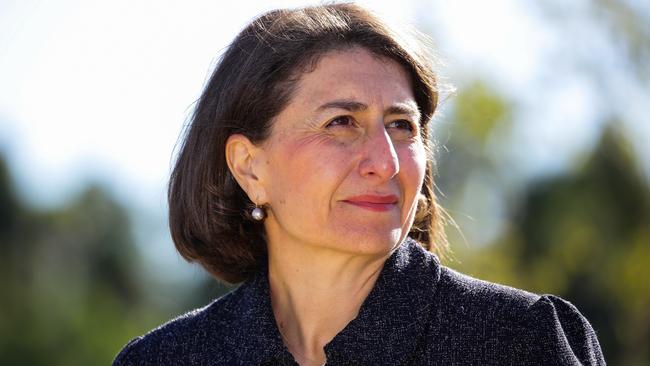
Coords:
377,203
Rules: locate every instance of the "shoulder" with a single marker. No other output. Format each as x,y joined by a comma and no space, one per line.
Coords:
468,295
177,341
503,322
560,332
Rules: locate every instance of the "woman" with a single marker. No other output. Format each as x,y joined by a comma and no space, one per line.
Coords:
305,175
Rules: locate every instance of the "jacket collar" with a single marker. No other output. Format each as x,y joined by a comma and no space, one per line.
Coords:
256,339
390,321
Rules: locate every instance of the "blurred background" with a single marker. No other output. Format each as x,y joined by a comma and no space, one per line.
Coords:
543,160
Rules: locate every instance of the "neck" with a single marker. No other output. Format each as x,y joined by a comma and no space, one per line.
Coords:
315,293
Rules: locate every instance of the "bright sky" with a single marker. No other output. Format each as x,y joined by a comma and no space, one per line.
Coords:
99,90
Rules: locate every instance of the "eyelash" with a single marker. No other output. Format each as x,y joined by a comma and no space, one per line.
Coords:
405,124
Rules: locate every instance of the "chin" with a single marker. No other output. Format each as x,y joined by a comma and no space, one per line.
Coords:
372,243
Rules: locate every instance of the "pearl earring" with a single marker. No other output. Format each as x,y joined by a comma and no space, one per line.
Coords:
257,213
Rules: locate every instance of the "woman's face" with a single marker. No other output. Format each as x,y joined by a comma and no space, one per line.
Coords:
345,162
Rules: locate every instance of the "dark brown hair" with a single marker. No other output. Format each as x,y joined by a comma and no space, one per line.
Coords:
252,83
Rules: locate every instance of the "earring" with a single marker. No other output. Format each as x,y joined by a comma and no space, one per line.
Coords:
258,213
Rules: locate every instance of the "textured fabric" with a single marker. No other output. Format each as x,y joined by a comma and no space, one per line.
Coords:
418,313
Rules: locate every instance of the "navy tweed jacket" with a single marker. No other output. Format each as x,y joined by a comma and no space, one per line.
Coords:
418,313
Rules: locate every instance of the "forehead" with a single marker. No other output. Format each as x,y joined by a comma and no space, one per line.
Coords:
357,74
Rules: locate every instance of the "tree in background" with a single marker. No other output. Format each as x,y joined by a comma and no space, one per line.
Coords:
69,280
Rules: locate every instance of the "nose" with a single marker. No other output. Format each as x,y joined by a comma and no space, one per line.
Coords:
379,158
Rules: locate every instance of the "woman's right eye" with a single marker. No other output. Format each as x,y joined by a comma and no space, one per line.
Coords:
344,121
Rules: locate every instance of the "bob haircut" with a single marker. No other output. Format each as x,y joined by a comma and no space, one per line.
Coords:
209,214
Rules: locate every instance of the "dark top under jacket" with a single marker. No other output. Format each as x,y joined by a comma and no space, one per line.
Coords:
418,313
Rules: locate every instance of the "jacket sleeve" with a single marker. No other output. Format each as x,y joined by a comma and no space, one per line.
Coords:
556,333
128,356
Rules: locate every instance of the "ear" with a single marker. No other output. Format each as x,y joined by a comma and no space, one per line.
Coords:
242,157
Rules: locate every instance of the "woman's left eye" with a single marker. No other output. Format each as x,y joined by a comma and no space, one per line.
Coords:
401,124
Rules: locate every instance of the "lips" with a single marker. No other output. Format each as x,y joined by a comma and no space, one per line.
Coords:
377,203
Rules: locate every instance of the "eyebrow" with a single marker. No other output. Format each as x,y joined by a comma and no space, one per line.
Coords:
353,106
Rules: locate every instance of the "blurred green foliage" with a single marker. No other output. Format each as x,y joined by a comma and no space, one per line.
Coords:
73,284
69,284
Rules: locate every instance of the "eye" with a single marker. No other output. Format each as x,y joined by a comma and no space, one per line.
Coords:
344,121
401,124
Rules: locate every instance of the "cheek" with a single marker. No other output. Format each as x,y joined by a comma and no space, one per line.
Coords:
413,160
303,170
